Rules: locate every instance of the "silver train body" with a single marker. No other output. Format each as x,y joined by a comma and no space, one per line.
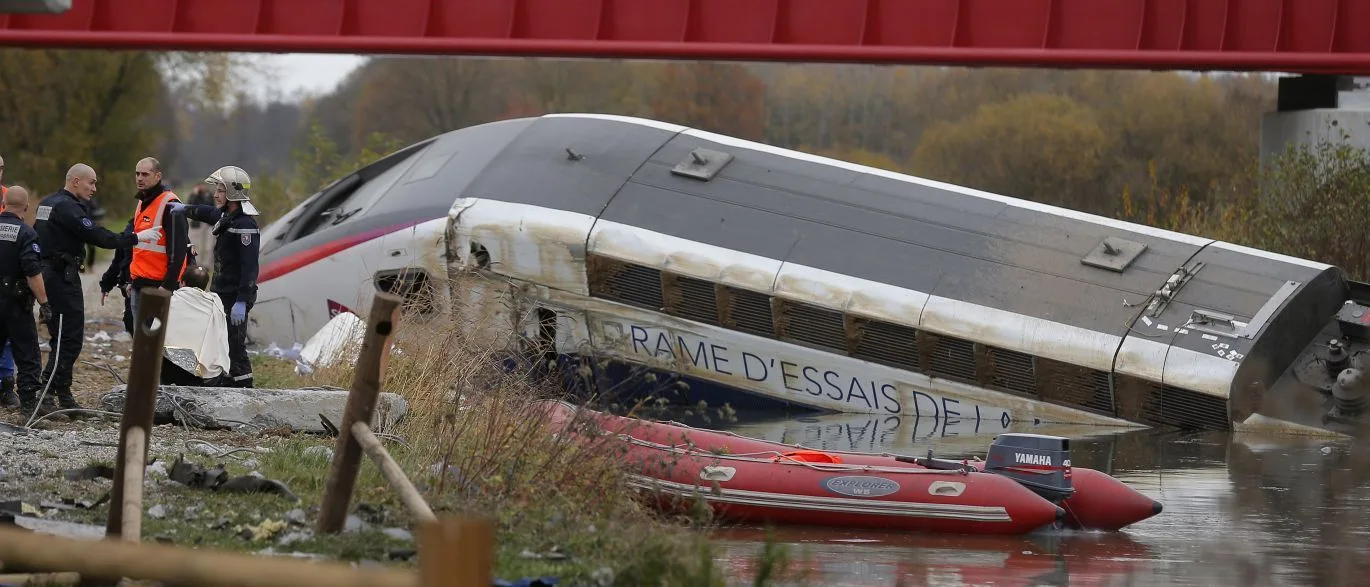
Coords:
743,273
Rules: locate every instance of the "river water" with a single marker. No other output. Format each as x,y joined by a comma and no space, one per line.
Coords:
1239,510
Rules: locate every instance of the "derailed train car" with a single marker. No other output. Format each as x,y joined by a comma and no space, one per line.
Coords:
757,275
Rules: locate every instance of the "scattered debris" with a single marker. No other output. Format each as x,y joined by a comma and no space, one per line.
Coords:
266,529
89,472
216,479
553,554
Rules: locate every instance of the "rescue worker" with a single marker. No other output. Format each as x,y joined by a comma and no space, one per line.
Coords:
64,227
21,283
156,264
235,258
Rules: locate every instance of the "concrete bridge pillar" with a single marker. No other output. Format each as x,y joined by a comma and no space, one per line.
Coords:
1312,108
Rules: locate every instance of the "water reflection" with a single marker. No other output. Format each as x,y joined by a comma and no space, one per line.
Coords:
1240,510
898,434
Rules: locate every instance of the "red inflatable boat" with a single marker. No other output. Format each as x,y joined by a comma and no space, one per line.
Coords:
1026,484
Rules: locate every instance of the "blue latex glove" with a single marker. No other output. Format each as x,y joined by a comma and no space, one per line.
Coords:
239,313
177,207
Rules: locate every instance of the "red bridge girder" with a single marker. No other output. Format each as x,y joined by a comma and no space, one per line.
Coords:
1328,36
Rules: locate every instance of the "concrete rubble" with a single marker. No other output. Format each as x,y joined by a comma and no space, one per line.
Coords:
225,407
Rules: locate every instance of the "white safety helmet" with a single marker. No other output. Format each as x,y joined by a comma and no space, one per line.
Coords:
237,186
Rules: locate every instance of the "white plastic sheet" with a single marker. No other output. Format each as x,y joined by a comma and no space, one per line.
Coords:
339,339
196,322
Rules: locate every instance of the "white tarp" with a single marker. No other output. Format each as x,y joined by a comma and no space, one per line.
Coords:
340,338
196,322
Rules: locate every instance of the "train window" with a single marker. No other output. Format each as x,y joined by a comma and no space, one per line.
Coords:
811,325
949,357
888,344
745,311
624,282
1082,387
690,298
348,197
1010,371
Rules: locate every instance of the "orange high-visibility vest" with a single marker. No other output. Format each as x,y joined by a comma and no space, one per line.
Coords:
150,259
3,192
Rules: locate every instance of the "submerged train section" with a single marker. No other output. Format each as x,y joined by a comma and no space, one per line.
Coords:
668,258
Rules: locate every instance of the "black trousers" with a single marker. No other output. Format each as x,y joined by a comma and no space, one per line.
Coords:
17,327
68,303
128,312
239,364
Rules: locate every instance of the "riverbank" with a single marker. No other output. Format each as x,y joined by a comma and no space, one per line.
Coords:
470,444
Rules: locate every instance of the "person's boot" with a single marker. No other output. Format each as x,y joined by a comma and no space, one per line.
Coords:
8,398
27,406
66,401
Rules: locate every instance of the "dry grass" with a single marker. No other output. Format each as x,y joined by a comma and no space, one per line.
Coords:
476,421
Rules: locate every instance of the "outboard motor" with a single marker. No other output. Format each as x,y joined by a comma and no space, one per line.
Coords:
1040,463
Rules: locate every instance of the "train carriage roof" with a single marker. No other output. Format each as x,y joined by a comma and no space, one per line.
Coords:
935,238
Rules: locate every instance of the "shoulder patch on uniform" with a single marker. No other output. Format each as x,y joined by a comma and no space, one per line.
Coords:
86,222
36,249
246,239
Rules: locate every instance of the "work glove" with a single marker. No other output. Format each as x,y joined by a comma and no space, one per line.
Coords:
239,313
44,313
148,235
177,207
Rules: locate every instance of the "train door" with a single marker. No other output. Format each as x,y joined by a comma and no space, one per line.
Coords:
554,338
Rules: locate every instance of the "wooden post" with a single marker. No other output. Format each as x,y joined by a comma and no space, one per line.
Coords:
361,403
179,565
456,552
140,396
409,495
133,484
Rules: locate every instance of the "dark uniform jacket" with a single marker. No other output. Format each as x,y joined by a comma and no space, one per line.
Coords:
20,255
64,227
236,247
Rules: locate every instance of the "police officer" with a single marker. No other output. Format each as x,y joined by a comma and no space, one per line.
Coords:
160,263
236,243
64,227
21,282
